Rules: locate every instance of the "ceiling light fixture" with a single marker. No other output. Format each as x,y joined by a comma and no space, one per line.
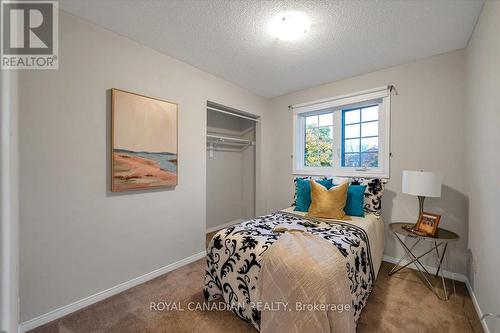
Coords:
289,25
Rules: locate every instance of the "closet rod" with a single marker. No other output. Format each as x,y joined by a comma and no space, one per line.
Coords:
227,138
227,143
232,114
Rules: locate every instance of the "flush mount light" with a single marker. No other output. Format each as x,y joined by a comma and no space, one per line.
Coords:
289,25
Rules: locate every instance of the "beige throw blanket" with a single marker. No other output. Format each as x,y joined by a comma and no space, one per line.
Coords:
303,270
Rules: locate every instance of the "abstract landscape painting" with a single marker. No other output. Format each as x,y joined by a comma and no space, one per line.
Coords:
144,142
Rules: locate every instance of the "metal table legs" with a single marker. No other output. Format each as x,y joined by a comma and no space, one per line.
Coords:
420,267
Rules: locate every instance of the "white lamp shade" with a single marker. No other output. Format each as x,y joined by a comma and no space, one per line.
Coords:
422,183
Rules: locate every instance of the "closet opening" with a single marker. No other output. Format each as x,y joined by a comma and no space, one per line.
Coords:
231,166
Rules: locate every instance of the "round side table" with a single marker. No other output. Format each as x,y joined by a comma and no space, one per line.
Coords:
442,238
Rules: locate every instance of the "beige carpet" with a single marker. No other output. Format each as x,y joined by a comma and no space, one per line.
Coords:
400,303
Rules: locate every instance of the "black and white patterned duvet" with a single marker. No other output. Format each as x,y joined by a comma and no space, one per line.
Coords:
235,253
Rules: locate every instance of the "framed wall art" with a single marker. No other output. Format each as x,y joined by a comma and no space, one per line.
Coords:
143,142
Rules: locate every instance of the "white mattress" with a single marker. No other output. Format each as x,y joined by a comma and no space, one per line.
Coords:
374,228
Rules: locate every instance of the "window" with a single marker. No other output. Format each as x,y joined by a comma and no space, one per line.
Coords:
344,136
319,140
360,137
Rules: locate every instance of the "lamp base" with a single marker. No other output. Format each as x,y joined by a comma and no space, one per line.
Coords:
421,200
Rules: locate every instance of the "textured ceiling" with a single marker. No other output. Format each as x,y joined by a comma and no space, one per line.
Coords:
230,38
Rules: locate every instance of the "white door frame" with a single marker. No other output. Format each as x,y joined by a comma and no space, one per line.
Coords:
9,217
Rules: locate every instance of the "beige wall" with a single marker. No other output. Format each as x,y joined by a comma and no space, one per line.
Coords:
230,187
248,177
224,188
483,159
77,238
427,133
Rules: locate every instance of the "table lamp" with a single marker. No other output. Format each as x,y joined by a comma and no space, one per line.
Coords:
422,184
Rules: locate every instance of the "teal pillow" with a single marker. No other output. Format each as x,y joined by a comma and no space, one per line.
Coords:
303,192
355,200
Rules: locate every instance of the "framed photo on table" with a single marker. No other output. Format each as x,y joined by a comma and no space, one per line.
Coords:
428,223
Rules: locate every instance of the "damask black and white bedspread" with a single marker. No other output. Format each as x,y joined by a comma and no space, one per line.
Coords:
235,253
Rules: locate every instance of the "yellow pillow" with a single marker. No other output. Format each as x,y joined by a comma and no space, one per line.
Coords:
330,203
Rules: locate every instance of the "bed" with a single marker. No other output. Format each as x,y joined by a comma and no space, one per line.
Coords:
234,257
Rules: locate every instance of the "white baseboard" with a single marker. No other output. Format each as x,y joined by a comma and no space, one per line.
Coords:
80,304
476,306
225,225
454,276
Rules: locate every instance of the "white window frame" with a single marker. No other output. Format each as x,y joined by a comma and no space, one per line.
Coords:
381,95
